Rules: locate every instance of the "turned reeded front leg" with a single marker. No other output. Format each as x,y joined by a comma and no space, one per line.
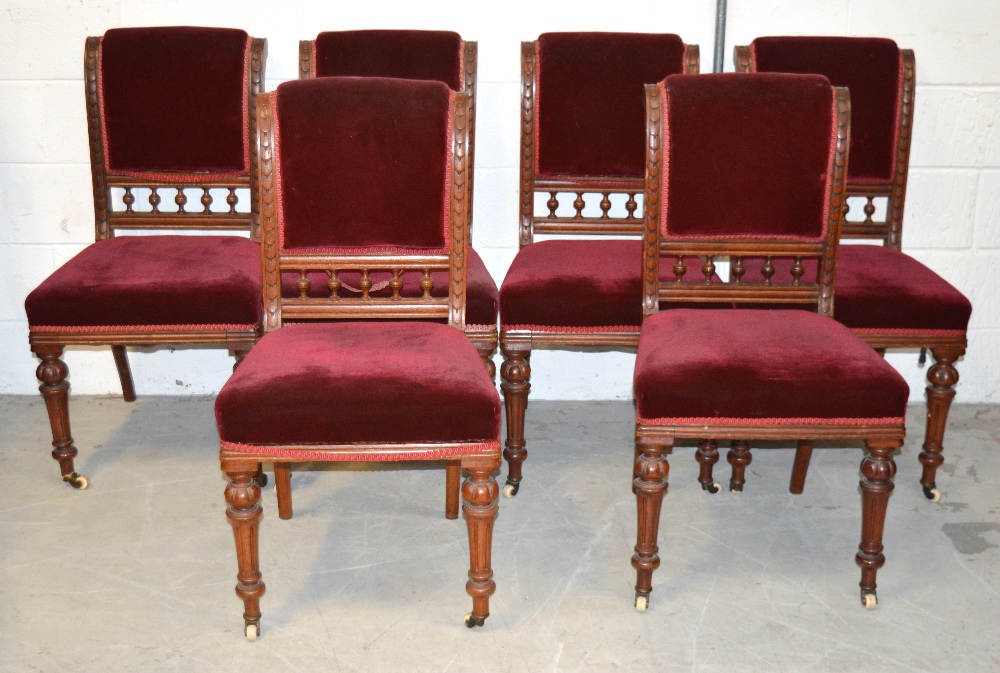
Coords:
515,374
124,372
243,496
877,471
480,493
707,456
283,489
52,372
739,457
452,488
803,454
941,379
650,485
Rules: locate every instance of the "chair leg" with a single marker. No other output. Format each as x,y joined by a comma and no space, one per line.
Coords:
877,471
707,455
244,511
803,454
941,379
486,350
283,489
124,373
480,492
650,483
452,488
515,375
739,457
239,354
260,476
52,372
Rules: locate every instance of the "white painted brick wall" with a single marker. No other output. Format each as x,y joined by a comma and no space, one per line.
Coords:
46,212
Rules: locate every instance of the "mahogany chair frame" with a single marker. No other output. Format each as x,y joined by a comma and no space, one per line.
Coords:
516,344
483,337
654,441
945,348
49,345
480,490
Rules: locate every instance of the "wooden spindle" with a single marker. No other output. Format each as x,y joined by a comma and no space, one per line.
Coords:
736,269
630,206
679,268
128,198
426,284
333,284
303,284
869,209
708,268
206,199
579,204
767,270
552,203
232,199
797,271
396,284
180,199
606,205
365,284
154,199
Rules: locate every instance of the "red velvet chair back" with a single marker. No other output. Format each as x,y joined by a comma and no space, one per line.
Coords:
170,109
880,77
365,176
582,124
743,165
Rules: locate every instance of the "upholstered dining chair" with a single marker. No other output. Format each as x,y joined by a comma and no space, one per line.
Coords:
886,297
581,135
344,162
779,144
441,56
169,112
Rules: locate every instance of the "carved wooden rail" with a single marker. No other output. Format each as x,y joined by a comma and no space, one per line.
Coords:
184,216
578,223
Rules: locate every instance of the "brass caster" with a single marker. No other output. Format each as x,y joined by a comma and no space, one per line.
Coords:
510,490
472,621
641,602
77,481
712,488
736,488
261,480
252,630
932,493
869,601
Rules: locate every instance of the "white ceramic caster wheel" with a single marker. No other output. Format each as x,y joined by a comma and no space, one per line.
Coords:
509,491
934,495
869,601
714,488
641,603
252,631
77,481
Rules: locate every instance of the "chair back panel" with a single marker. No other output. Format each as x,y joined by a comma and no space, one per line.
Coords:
743,165
170,110
368,176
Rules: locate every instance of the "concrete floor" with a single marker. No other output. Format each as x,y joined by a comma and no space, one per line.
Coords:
137,573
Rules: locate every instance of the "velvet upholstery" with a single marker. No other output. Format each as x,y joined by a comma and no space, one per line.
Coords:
589,102
752,364
881,288
871,68
576,284
481,301
375,170
761,170
153,280
175,99
403,54
351,382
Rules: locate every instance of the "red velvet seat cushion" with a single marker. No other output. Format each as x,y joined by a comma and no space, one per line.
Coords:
879,288
482,299
591,115
362,161
753,364
404,54
576,284
153,280
175,99
871,68
360,382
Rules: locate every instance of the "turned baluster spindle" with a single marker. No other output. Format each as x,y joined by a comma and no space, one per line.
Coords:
334,284
767,270
736,270
128,199
180,199
579,204
154,199
232,200
365,284
426,284
847,208
552,203
679,269
708,268
303,284
630,206
396,284
797,271
206,199
605,205
869,209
